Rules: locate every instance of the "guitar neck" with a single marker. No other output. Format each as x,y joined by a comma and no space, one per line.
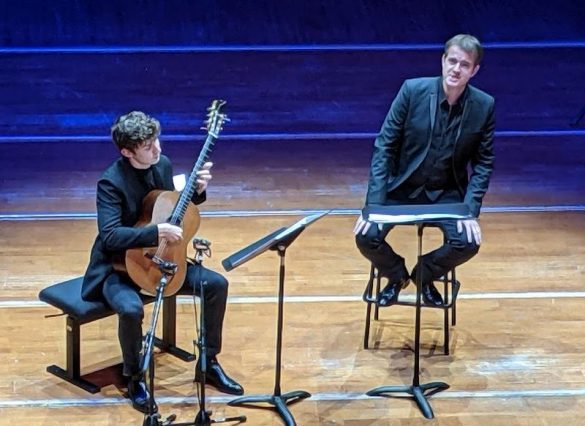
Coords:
191,185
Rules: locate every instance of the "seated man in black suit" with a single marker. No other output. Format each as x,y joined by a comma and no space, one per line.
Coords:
437,128
120,191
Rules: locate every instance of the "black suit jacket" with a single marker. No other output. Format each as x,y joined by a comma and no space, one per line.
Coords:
120,192
405,139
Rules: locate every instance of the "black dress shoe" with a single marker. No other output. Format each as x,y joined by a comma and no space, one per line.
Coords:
218,378
431,295
139,395
389,295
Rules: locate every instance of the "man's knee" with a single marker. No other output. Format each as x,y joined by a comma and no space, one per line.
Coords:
217,285
132,311
221,283
464,250
367,242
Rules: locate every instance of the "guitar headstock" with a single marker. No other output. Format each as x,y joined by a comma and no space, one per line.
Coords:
215,118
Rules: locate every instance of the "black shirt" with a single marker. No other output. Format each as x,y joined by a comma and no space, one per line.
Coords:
435,174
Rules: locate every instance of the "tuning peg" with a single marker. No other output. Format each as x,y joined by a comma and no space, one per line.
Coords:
216,105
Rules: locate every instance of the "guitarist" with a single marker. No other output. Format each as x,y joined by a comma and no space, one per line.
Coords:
120,191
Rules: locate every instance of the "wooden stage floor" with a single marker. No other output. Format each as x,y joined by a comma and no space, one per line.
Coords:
516,351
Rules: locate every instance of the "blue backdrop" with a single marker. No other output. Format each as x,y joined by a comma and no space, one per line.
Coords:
312,69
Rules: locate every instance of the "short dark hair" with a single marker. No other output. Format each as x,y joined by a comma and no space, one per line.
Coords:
133,129
468,43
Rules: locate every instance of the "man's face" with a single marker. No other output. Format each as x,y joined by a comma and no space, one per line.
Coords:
458,68
145,155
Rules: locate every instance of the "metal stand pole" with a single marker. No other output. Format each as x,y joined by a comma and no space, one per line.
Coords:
277,399
416,390
203,416
153,417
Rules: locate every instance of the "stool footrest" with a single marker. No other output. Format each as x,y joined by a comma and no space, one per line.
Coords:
455,284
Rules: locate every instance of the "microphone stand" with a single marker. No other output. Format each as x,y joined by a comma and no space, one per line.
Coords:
203,417
153,417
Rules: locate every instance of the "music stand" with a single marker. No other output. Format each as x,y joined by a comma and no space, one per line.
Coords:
278,240
419,215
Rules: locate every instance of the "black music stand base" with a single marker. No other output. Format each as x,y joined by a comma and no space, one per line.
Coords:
279,402
419,393
416,390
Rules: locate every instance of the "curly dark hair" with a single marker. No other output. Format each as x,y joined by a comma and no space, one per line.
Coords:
133,129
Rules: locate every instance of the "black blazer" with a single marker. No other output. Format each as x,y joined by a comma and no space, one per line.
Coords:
120,192
405,139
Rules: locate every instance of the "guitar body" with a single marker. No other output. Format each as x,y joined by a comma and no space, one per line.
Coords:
157,207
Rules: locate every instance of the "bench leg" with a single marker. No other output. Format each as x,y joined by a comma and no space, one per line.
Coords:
168,343
72,373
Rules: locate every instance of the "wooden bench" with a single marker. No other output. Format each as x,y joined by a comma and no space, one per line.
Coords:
66,296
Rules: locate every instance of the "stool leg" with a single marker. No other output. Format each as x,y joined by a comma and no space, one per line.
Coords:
446,326
72,373
73,348
368,308
168,342
169,321
454,308
377,308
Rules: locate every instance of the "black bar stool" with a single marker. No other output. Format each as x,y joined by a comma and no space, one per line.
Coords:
451,288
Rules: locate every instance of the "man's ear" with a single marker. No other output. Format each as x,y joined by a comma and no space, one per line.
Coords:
126,153
475,70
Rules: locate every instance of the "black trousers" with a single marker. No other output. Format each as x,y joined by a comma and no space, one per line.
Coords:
122,296
454,251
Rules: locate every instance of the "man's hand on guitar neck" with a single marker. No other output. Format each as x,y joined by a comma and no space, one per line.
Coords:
171,233
203,177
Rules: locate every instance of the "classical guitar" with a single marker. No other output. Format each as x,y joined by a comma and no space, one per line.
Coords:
177,209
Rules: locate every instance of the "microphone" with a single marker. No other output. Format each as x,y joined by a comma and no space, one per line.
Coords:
202,247
201,243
